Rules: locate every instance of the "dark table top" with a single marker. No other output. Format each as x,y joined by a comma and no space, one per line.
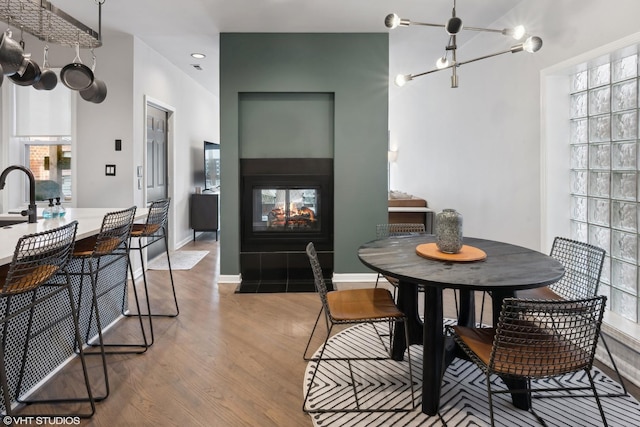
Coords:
506,266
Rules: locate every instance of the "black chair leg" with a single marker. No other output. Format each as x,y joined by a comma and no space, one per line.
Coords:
615,368
304,355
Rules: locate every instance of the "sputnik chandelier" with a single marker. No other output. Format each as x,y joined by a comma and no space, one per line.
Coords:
453,27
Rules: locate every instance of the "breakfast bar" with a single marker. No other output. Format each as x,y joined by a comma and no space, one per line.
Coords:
89,222
44,357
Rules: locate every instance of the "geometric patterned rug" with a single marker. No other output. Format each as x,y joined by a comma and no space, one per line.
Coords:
463,400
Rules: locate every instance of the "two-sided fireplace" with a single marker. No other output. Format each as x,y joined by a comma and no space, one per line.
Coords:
285,203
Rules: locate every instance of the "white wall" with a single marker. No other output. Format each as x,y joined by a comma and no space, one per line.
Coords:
477,148
196,119
99,125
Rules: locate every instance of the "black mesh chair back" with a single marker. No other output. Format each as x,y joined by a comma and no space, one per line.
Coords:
537,339
113,237
582,265
386,230
37,258
156,218
321,285
38,267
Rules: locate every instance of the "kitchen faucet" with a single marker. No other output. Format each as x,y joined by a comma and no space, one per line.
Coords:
32,210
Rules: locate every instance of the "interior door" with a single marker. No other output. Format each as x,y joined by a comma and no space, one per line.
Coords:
156,155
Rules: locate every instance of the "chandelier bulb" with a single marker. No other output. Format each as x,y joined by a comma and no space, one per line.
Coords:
402,79
518,32
442,62
532,44
394,21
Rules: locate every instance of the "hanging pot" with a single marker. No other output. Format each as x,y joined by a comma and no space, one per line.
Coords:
12,56
97,92
48,78
30,75
76,76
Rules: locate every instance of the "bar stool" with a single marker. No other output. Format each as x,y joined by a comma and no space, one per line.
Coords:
153,230
96,254
37,276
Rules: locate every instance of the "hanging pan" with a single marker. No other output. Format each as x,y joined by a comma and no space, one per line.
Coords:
48,79
97,91
31,73
76,76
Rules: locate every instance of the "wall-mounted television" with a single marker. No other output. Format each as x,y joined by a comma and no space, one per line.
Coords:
211,166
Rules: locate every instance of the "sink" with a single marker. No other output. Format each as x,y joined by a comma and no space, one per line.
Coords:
10,222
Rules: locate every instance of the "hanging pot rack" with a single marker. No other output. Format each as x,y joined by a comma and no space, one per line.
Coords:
48,23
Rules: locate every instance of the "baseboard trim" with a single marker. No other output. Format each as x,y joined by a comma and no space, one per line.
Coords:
230,279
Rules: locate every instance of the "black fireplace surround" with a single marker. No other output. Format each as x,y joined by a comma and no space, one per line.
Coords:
285,203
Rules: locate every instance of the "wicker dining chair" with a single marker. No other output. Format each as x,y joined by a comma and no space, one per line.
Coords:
583,266
37,276
352,307
536,339
96,254
153,230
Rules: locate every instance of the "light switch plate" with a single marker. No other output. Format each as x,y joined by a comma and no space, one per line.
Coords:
110,170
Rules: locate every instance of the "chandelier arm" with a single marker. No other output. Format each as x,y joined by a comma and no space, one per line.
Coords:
488,30
487,56
413,76
426,24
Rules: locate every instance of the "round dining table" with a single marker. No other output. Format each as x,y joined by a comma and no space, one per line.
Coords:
505,269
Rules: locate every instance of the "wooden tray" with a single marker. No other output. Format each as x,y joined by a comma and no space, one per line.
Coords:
466,254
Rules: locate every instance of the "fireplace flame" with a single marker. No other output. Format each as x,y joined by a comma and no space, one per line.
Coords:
292,218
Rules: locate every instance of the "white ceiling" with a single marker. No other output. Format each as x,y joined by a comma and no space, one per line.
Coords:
176,28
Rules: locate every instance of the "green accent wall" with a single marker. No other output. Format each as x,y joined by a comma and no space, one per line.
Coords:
353,69
286,125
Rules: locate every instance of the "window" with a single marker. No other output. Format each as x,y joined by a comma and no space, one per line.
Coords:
605,187
50,161
41,141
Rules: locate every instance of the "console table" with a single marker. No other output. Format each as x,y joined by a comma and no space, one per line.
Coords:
204,213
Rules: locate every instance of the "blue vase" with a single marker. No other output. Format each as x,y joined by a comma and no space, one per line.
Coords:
449,231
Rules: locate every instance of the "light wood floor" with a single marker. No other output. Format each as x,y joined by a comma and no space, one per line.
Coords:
227,360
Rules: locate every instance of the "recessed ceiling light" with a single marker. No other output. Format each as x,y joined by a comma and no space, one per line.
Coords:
199,55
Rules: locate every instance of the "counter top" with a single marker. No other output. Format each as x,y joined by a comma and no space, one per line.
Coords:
89,223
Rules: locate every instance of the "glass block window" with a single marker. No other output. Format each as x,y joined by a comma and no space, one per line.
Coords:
605,173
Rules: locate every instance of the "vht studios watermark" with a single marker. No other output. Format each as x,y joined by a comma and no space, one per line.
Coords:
39,421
